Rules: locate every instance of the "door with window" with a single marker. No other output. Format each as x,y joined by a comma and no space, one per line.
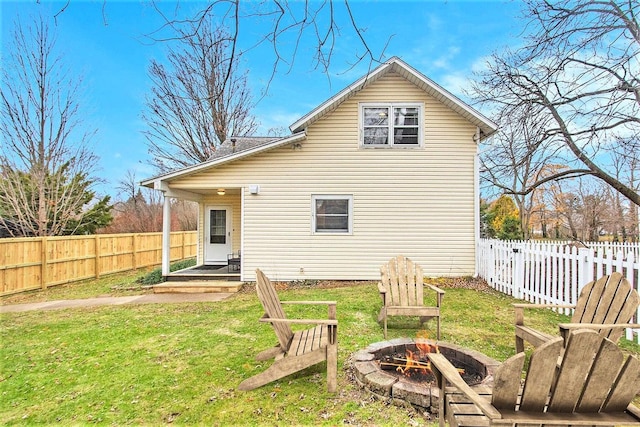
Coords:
218,234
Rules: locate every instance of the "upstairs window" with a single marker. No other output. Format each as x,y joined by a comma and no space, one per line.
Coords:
389,125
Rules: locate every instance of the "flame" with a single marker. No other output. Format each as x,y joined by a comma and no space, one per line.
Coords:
414,363
421,362
423,346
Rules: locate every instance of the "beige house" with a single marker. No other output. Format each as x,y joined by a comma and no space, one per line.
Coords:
387,166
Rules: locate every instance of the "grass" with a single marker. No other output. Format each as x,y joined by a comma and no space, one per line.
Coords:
181,363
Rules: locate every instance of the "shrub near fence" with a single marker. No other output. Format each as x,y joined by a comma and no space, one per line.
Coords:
38,262
554,272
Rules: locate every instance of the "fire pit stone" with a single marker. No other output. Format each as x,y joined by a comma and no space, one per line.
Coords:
402,390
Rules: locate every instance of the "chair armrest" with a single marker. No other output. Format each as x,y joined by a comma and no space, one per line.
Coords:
435,288
566,327
328,322
381,288
331,306
309,302
519,305
519,309
446,372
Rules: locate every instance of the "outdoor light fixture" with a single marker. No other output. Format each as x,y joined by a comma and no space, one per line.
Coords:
221,191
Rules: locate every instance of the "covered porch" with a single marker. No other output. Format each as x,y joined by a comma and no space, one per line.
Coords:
219,243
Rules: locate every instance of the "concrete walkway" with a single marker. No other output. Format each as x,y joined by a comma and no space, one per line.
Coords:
100,301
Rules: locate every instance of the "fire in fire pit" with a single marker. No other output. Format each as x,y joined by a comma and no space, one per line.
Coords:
416,366
399,369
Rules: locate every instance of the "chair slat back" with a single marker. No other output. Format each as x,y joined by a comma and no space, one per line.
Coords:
610,299
273,309
593,376
508,378
404,282
541,375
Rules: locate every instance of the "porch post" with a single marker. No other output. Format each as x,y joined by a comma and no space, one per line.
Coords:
166,235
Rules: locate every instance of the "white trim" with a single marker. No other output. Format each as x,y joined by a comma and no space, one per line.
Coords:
390,125
476,200
348,197
396,64
242,216
166,236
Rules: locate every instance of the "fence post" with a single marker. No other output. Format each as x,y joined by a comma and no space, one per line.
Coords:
97,251
585,267
491,264
518,271
183,246
135,251
44,259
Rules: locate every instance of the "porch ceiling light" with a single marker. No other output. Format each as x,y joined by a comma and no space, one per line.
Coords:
221,191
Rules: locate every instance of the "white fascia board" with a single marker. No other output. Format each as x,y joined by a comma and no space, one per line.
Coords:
428,85
160,181
450,99
339,98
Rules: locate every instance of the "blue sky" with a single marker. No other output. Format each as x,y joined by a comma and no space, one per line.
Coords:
106,43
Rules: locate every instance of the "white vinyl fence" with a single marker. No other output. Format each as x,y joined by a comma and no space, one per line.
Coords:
555,272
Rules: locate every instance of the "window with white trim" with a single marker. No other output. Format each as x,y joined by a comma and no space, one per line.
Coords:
332,214
389,125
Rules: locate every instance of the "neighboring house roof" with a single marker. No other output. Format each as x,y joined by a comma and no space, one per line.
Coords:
246,146
395,64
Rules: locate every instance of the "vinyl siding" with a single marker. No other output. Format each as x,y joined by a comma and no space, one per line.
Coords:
415,202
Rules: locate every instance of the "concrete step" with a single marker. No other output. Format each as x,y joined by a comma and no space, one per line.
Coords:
198,286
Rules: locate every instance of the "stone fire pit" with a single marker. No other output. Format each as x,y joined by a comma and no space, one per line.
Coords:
403,390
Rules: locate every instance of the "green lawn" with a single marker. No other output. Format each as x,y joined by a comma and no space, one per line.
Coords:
181,363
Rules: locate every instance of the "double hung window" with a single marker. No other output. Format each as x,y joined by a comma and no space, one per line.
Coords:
332,214
388,125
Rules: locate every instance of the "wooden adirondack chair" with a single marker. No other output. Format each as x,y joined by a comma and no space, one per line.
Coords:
607,305
593,385
402,291
295,350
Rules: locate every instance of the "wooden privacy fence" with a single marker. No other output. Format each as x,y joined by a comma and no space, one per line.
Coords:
38,262
554,272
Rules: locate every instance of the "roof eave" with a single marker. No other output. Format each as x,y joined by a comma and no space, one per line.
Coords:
487,126
340,97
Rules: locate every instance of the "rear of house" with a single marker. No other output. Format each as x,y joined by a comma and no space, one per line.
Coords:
386,167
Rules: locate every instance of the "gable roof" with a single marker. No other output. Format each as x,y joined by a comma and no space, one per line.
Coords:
395,64
247,146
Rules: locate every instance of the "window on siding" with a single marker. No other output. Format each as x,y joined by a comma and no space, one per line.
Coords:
391,125
332,214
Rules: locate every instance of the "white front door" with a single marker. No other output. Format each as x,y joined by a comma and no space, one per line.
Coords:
218,234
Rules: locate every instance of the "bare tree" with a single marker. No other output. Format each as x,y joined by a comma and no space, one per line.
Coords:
46,162
195,105
579,69
626,165
288,24
139,210
518,156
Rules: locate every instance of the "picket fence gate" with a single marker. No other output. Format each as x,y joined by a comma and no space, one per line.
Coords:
555,272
